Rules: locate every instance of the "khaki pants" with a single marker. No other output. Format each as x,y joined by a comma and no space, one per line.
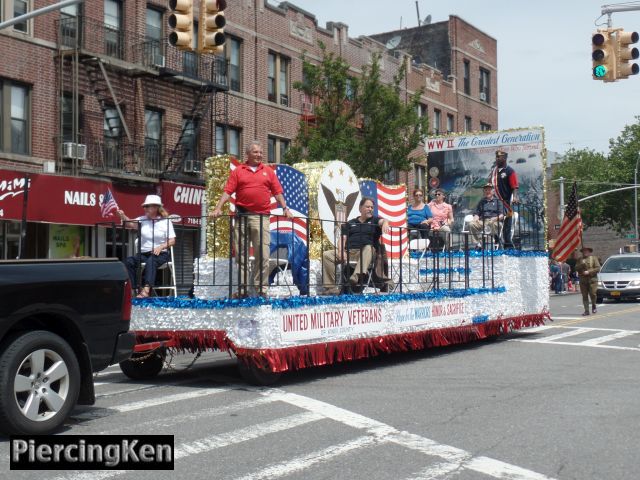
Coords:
588,290
477,227
253,231
330,260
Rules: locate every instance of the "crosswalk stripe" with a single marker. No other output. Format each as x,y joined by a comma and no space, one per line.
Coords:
607,338
436,471
388,433
578,344
151,402
214,442
558,336
303,462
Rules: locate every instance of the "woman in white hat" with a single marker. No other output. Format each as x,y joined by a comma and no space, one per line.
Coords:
156,236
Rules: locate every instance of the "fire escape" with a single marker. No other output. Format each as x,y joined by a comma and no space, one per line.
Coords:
124,73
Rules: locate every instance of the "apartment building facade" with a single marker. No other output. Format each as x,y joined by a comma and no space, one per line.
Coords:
93,98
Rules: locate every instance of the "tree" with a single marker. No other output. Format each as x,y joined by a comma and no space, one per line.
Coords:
361,121
596,172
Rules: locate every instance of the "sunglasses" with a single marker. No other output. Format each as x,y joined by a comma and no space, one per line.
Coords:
439,194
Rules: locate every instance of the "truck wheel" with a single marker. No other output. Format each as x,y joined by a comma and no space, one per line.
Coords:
142,366
39,383
255,375
599,300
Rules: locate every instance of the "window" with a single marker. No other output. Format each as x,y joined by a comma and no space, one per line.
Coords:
113,26
228,140
436,121
485,90
190,59
68,113
20,7
278,79
15,116
450,123
69,25
19,120
350,91
190,139
467,77
419,173
467,124
152,138
484,127
277,149
234,51
422,110
153,38
112,131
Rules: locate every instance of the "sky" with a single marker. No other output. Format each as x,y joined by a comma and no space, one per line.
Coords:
544,59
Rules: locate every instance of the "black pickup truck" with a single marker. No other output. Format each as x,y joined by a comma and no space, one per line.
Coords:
60,321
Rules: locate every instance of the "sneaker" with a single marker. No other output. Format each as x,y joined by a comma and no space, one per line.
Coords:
585,314
594,310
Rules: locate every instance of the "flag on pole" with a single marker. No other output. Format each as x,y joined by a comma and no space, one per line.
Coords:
570,230
109,204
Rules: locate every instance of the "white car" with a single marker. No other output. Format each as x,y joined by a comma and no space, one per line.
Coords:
619,277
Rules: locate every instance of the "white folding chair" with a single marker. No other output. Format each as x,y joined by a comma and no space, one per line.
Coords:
280,259
170,265
465,224
419,245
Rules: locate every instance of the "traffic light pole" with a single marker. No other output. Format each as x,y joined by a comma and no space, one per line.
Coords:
40,11
635,200
616,8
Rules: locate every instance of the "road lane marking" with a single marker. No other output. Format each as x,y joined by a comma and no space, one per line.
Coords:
303,462
570,333
436,471
607,338
485,465
213,442
102,412
574,344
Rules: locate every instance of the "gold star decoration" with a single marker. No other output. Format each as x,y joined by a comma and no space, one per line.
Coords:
330,174
350,180
341,171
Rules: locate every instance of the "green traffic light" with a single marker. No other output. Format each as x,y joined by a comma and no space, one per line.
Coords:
599,71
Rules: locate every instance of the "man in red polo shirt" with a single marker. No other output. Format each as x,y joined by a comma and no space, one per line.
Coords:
253,183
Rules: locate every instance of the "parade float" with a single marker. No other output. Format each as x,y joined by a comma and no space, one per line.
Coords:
441,296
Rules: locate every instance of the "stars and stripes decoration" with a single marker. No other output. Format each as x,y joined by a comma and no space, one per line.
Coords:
390,203
296,194
109,205
570,233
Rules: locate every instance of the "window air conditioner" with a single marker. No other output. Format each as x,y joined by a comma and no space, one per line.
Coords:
483,96
192,166
74,150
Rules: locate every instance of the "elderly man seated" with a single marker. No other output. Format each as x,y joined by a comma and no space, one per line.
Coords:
359,237
488,215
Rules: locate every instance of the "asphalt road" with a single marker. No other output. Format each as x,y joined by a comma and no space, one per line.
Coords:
560,401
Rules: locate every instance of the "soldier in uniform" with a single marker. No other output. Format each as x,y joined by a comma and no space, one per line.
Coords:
588,267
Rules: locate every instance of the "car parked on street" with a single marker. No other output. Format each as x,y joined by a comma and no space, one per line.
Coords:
619,277
60,322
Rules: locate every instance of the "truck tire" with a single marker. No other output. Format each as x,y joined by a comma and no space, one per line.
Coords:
599,300
255,375
39,383
145,365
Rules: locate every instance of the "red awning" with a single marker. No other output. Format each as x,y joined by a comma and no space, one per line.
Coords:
77,201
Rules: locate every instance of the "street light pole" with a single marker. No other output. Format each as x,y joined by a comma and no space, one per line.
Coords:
635,199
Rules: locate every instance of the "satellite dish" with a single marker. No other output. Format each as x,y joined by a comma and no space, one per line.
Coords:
393,42
427,20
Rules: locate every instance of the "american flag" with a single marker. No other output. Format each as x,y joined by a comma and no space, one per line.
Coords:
570,230
109,204
390,203
296,194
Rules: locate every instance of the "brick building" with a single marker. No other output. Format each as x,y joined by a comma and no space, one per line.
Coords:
95,99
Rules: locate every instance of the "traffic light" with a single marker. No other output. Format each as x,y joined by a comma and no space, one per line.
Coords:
625,53
212,24
181,21
603,56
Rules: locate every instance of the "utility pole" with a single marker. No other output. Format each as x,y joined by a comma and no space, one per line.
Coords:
635,200
561,180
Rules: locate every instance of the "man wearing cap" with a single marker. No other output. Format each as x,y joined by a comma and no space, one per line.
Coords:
505,183
254,184
588,267
489,213
156,236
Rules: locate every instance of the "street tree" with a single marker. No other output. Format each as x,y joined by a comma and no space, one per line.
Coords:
371,126
596,172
